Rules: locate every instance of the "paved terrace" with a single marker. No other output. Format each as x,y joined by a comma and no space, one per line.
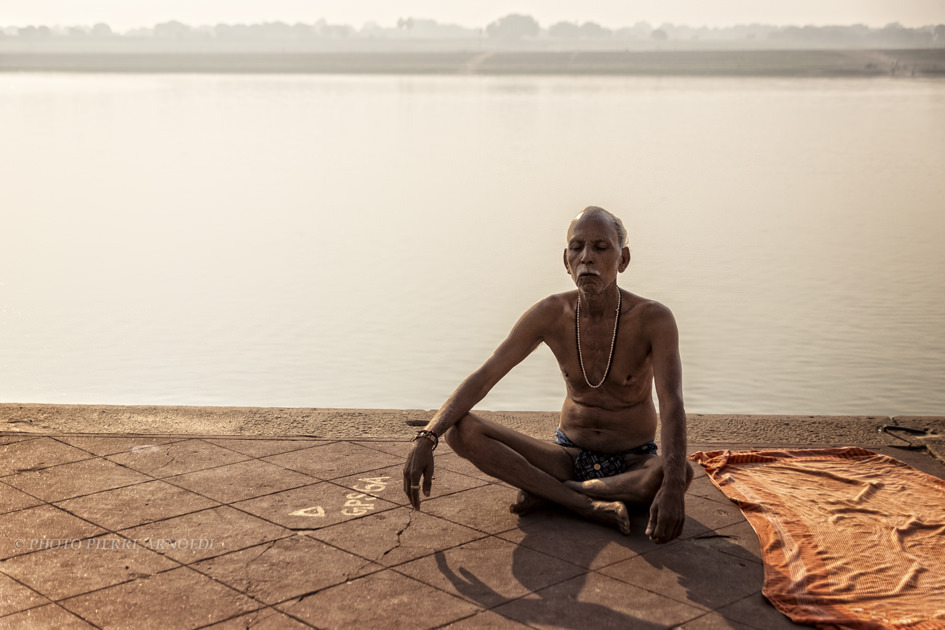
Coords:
166,517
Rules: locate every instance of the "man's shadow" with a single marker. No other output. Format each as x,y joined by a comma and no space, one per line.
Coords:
560,604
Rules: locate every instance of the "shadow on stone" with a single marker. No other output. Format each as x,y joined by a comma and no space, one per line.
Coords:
572,600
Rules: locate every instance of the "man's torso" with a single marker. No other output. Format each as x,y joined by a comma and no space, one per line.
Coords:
620,414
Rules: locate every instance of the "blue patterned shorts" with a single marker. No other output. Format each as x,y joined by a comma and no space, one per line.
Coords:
594,465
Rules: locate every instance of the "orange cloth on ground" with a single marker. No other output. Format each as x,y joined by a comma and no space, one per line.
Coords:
849,538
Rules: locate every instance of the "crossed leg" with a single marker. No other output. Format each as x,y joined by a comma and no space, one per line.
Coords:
637,486
539,468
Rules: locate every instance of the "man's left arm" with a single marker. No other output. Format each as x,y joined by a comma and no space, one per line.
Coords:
667,512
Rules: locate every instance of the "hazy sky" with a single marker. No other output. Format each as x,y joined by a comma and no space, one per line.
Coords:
124,14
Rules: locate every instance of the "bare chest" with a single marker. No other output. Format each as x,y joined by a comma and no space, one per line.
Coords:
621,364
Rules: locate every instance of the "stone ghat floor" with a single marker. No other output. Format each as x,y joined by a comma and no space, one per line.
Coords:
178,531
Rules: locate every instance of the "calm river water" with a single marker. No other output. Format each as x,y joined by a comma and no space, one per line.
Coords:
366,241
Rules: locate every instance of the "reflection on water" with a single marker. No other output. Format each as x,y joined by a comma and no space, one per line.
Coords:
366,241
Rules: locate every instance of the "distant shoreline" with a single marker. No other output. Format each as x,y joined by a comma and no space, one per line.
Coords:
739,63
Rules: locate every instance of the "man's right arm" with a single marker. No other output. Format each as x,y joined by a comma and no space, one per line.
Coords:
522,340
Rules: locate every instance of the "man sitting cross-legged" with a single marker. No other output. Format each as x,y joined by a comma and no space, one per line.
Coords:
611,346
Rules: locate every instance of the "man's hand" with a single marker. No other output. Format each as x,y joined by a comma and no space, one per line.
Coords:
419,463
667,515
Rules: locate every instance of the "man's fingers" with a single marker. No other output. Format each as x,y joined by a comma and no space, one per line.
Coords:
414,492
428,479
658,529
664,530
677,529
412,486
651,524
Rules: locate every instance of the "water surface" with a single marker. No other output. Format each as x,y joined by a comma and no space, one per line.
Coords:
366,241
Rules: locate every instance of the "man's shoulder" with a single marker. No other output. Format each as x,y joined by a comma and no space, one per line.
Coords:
652,315
549,311
648,308
556,304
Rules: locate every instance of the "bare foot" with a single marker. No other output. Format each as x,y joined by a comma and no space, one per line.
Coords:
611,513
595,488
526,503
636,487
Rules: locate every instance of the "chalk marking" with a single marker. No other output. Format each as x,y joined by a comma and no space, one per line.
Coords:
316,510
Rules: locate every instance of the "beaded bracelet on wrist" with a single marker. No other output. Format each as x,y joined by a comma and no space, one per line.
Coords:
430,435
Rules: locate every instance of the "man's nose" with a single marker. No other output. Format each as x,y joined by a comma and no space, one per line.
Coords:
587,255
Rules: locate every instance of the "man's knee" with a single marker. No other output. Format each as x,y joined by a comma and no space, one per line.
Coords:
463,434
654,478
656,469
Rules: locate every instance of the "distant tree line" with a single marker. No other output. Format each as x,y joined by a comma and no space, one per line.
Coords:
513,27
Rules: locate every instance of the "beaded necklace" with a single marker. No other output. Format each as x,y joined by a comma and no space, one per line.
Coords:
613,341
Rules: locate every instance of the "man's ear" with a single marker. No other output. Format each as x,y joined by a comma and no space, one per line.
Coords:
624,259
565,258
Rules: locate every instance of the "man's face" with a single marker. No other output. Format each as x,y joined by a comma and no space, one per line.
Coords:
594,256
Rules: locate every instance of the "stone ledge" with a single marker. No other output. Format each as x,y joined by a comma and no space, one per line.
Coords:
402,423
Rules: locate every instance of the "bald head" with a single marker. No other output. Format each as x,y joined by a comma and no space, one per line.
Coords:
622,238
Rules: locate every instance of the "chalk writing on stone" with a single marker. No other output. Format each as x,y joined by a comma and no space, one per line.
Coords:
372,484
315,510
360,503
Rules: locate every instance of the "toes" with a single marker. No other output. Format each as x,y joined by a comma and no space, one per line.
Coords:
623,522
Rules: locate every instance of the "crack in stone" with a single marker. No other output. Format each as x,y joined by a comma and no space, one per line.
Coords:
357,571
399,534
165,464
263,551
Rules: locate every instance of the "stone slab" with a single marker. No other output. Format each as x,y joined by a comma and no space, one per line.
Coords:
114,444
493,518
380,600
314,506
331,461
89,565
387,483
180,598
15,596
176,458
490,571
73,479
261,447
12,499
287,568
691,574
205,534
41,527
396,536
595,600
262,619
139,504
29,455
242,480
292,558
560,534
49,616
